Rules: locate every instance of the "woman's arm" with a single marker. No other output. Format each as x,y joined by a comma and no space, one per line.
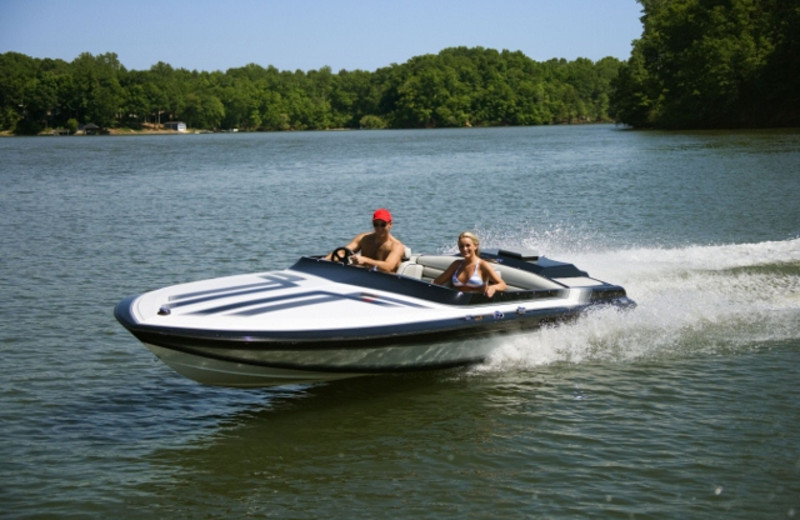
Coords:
447,274
493,281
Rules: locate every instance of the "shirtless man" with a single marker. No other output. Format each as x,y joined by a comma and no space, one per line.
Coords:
379,249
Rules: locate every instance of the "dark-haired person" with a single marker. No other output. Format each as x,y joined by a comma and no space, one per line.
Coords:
377,249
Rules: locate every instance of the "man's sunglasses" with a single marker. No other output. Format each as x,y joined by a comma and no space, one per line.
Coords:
378,223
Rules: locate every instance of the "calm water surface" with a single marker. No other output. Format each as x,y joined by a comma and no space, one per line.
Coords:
685,408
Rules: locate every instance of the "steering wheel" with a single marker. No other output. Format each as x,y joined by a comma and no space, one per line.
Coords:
342,255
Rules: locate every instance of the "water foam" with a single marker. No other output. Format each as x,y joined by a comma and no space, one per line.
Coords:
695,300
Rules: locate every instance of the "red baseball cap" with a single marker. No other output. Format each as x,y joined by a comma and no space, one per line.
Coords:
382,214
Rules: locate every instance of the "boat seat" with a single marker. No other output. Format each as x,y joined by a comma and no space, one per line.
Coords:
409,267
410,270
524,280
433,265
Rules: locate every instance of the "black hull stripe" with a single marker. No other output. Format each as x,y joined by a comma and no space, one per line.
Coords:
273,282
237,289
194,301
226,292
298,299
334,369
320,298
288,301
373,337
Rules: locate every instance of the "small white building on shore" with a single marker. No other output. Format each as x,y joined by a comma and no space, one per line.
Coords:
178,126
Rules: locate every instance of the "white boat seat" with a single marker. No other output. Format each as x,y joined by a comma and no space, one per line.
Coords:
409,267
411,270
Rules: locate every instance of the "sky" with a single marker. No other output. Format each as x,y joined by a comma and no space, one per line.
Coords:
207,35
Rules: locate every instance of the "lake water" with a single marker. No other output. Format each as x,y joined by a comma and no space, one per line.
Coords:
687,407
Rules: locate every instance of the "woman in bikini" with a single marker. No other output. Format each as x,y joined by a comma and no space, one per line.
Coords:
472,274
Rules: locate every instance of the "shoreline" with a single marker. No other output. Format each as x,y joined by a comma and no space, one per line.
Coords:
109,132
56,132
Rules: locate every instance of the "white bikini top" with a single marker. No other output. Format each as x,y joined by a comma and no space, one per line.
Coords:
474,281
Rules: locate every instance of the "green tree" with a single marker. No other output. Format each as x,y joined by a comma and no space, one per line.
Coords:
459,86
711,63
98,91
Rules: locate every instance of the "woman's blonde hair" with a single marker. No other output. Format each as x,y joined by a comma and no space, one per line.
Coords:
474,238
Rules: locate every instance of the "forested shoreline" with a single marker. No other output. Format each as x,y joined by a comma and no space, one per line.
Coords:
712,64
698,64
455,88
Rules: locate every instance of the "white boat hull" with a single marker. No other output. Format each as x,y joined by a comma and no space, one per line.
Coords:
321,321
218,372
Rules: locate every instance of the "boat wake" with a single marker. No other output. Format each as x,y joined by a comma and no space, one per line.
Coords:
695,300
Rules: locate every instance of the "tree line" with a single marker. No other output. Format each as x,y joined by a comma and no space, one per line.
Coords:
457,87
698,64
712,64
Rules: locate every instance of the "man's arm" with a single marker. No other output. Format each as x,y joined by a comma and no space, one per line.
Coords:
390,264
354,246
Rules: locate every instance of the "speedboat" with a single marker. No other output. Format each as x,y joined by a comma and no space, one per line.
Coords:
322,320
